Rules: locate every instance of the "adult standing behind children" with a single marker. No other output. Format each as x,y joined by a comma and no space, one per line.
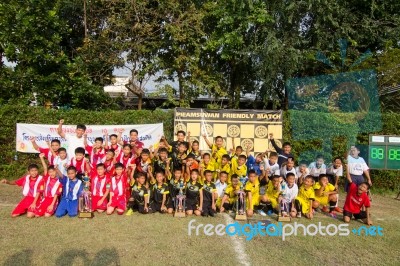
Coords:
73,140
356,167
283,153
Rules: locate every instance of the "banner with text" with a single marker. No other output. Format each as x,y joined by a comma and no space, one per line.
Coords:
149,134
245,127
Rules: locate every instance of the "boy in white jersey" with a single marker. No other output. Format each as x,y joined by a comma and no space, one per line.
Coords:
271,166
317,168
289,195
288,168
74,140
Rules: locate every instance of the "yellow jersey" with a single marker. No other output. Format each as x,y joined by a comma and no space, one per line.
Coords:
217,153
328,188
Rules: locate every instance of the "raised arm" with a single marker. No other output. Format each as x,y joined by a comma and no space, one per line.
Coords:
41,156
34,144
271,138
209,144
59,129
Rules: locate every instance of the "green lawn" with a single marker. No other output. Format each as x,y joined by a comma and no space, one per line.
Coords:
161,239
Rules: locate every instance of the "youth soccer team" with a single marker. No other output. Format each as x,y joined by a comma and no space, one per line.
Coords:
126,177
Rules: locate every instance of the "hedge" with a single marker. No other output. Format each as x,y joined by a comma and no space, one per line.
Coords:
320,124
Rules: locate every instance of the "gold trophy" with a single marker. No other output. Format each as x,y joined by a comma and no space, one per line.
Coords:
85,200
180,202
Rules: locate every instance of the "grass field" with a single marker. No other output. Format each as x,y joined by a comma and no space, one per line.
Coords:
160,239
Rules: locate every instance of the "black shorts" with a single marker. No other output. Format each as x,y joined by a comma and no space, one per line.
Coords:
155,206
358,216
227,206
191,205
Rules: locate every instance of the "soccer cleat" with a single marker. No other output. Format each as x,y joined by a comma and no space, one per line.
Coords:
325,209
262,213
339,210
269,212
129,212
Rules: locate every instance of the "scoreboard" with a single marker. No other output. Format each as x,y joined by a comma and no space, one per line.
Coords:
384,152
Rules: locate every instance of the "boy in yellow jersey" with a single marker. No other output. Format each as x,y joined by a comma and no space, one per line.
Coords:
224,166
305,197
217,149
239,169
175,184
325,194
230,196
252,189
206,164
273,192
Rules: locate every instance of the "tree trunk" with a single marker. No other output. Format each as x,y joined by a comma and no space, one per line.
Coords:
181,90
137,91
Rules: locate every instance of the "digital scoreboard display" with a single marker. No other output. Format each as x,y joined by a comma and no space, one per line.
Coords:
384,152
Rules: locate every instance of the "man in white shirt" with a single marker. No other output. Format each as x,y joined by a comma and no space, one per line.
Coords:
356,167
73,141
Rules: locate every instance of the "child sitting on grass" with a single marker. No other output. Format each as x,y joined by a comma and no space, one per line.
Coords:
32,184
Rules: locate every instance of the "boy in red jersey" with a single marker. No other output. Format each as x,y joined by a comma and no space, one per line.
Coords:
356,199
32,184
109,162
100,188
52,189
96,152
117,191
50,152
80,163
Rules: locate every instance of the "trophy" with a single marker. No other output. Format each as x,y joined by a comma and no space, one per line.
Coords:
85,200
180,202
283,207
241,205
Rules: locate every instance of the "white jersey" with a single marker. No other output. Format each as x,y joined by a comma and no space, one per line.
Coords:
284,171
357,166
60,163
220,188
73,142
273,169
335,171
316,171
291,193
299,174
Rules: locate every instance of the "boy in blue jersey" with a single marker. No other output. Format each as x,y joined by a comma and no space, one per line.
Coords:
72,189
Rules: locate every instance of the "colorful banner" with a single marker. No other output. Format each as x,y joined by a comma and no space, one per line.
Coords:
149,134
245,127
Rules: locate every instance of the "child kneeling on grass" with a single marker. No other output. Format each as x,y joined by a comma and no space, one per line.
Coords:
32,184
140,195
72,189
117,191
356,199
305,197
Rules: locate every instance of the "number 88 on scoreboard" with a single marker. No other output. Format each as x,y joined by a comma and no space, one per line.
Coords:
384,152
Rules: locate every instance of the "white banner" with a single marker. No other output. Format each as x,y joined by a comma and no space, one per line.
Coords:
149,134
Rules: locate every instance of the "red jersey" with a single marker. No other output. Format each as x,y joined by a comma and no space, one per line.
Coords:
117,148
48,154
96,157
354,202
31,186
52,187
137,144
109,165
80,165
99,184
126,161
118,185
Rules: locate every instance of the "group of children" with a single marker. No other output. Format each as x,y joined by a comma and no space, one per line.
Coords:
125,177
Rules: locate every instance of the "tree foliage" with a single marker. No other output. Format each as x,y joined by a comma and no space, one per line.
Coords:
223,49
